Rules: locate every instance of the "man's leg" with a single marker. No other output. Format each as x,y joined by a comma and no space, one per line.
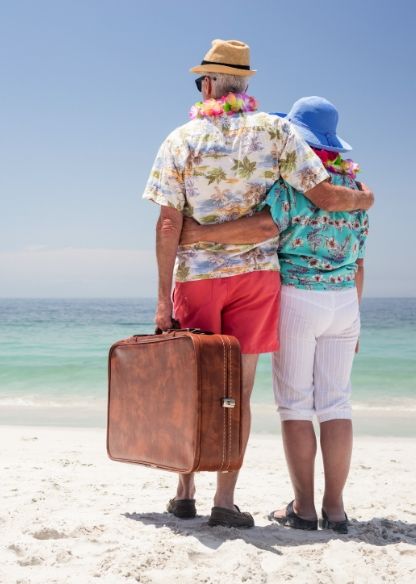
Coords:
193,313
186,486
226,481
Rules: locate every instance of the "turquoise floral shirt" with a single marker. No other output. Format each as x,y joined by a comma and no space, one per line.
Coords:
317,249
219,169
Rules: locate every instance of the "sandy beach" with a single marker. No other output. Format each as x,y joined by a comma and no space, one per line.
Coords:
70,515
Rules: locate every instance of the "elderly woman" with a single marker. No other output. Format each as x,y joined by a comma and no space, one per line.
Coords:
321,261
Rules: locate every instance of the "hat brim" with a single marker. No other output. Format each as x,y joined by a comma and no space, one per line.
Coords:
223,69
317,140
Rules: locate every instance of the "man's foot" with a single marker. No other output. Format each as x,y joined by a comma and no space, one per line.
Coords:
230,518
182,508
292,519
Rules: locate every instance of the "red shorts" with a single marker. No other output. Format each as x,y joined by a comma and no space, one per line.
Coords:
245,306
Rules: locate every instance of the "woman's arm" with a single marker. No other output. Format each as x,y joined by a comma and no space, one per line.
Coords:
359,278
254,229
359,283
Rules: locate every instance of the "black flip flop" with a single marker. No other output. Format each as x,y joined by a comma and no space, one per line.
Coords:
182,508
340,527
291,519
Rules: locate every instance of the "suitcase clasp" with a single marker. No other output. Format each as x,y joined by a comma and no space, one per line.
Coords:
228,402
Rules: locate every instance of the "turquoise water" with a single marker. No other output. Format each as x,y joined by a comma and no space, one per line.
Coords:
53,353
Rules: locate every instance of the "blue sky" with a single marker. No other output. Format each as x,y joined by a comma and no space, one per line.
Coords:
90,88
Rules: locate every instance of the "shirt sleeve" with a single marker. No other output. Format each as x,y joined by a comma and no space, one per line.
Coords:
278,199
166,185
298,163
362,238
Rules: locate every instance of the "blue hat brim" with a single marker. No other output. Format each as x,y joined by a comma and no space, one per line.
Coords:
317,140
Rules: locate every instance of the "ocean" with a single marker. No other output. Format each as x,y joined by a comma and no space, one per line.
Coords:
53,362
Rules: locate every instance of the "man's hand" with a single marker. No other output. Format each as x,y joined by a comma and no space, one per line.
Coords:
163,318
191,231
367,196
331,197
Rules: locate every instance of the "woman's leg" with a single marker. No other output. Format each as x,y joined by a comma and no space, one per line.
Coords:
336,445
299,443
300,322
334,358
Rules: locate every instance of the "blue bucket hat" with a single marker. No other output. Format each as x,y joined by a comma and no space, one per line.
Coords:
316,119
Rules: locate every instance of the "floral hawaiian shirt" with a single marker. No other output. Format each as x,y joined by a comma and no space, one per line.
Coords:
220,168
317,249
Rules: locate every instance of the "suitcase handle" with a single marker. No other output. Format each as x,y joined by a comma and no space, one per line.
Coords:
176,327
195,331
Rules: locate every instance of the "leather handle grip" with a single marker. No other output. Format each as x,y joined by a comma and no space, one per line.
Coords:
175,326
195,331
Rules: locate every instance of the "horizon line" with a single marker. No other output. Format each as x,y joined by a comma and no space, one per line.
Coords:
154,298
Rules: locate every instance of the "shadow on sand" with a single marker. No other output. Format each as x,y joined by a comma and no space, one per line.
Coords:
377,531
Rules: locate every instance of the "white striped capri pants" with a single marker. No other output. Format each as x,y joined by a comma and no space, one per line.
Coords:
318,335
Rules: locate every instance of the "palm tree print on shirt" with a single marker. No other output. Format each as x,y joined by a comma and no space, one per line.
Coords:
244,168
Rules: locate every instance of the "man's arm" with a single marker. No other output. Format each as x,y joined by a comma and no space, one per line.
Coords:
254,229
331,197
168,231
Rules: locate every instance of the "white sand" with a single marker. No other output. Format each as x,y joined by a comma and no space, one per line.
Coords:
70,515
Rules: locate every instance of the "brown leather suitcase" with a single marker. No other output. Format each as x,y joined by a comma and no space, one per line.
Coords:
174,401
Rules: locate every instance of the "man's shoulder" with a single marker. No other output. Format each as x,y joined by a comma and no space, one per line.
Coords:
259,120
181,136
265,117
271,122
179,133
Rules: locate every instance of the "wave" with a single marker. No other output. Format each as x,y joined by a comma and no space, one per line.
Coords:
42,402
399,407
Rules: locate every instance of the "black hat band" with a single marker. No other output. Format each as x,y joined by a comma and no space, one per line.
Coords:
245,67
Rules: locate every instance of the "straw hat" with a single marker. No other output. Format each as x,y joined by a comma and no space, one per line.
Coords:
232,57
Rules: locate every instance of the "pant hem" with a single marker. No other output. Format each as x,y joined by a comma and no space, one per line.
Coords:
334,416
296,417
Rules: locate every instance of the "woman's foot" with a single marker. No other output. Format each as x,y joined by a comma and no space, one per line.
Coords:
337,526
289,517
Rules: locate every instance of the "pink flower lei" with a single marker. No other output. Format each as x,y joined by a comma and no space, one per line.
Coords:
227,105
334,162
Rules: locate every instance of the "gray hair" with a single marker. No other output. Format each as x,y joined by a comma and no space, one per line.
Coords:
225,84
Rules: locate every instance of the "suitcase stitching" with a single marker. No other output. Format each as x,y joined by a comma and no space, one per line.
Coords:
196,344
224,434
230,392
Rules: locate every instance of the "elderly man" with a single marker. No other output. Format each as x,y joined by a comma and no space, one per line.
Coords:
216,168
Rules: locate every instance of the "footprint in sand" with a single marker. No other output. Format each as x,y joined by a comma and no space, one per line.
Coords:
48,534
